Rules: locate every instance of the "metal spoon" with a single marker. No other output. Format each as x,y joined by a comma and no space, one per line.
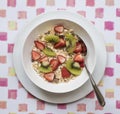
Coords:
97,91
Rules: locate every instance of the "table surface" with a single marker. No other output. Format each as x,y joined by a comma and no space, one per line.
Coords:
14,14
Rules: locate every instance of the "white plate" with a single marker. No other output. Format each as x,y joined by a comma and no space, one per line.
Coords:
70,96
40,25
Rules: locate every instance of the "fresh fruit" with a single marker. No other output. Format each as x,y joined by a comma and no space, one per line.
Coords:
35,55
70,43
61,59
44,69
60,44
59,28
45,64
49,76
44,58
54,64
76,65
49,52
78,47
84,48
65,73
52,38
79,58
82,64
71,69
39,45
58,54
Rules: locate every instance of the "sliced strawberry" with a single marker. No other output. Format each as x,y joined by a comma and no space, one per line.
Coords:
65,73
60,44
61,59
84,48
44,58
49,76
78,47
39,45
82,64
79,58
54,63
35,55
59,28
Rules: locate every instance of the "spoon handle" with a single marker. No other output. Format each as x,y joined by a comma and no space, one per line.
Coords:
97,91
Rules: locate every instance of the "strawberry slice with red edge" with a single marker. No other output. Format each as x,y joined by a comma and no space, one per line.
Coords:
82,64
54,63
65,73
61,59
35,55
49,76
84,48
79,58
39,45
44,58
78,48
60,44
59,28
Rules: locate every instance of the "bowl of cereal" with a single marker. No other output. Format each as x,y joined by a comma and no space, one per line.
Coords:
56,46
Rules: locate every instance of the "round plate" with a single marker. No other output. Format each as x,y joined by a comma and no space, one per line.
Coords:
40,25
71,96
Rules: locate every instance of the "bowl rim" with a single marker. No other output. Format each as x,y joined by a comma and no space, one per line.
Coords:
53,16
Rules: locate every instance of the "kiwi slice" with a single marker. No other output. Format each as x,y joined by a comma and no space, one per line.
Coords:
70,43
71,68
76,65
52,38
45,63
69,36
49,52
45,69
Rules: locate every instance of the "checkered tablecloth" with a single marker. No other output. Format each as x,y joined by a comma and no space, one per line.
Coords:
14,14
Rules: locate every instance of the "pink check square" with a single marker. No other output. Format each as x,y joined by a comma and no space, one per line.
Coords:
3,82
11,3
12,94
22,107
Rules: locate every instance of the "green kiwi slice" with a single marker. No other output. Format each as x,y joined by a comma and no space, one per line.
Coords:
49,52
45,69
73,70
52,38
70,43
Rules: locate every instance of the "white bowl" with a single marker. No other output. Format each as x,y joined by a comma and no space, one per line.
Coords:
43,23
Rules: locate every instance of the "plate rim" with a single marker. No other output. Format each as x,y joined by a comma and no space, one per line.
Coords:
46,96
